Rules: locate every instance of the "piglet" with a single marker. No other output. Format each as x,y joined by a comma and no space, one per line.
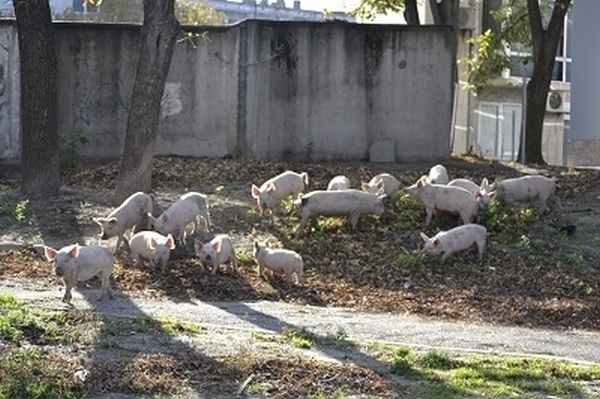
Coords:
272,192
526,188
339,182
216,252
349,203
153,247
184,211
130,213
444,198
75,263
279,261
446,243
385,181
484,197
438,175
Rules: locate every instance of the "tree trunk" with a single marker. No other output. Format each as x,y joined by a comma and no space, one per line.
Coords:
411,12
537,92
157,41
545,43
39,137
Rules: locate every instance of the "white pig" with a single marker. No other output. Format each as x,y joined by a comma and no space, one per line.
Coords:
446,243
339,182
273,191
438,175
80,263
279,261
181,213
483,195
444,198
526,188
218,251
385,181
350,203
130,213
151,246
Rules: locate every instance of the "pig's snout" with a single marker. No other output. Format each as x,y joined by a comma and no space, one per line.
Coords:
58,272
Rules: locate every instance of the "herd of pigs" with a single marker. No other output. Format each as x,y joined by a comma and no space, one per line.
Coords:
152,238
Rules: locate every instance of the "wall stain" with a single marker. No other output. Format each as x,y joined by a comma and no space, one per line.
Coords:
283,50
372,56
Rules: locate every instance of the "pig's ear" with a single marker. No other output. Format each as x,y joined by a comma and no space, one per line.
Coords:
478,194
420,183
256,245
99,221
74,252
197,245
364,186
170,242
492,195
271,188
112,221
217,246
152,243
423,236
380,183
255,191
484,183
437,242
50,253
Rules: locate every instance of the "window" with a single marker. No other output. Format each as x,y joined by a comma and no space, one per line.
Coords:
562,66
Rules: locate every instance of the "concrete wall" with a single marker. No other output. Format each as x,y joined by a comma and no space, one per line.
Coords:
265,88
585,86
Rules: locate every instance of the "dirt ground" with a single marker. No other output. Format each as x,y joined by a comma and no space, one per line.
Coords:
541,272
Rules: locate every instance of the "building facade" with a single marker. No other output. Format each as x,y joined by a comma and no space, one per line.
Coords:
488,123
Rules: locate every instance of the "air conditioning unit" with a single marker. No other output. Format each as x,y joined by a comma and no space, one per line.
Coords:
466,17
559,102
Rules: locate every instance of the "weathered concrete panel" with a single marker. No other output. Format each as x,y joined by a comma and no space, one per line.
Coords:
267,89
10,97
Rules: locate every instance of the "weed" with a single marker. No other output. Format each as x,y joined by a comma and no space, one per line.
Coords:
70,157
238,153
411,261
309,151
21,210
219,190
299,338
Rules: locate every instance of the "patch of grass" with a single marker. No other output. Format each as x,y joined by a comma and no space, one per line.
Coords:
299,338
29,373
19,323
508,222
411,261
443,375
171,325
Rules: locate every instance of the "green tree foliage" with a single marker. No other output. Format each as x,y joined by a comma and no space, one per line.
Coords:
187,12
492,45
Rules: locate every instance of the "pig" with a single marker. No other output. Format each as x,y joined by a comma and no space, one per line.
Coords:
153,247
279,261
181,213
526,188
272,192
444,198
438,175
385,181
350,203
75,263
218,251
446,243
132,212
339,182
483,195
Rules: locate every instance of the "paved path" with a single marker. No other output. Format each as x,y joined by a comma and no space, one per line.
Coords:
266,316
